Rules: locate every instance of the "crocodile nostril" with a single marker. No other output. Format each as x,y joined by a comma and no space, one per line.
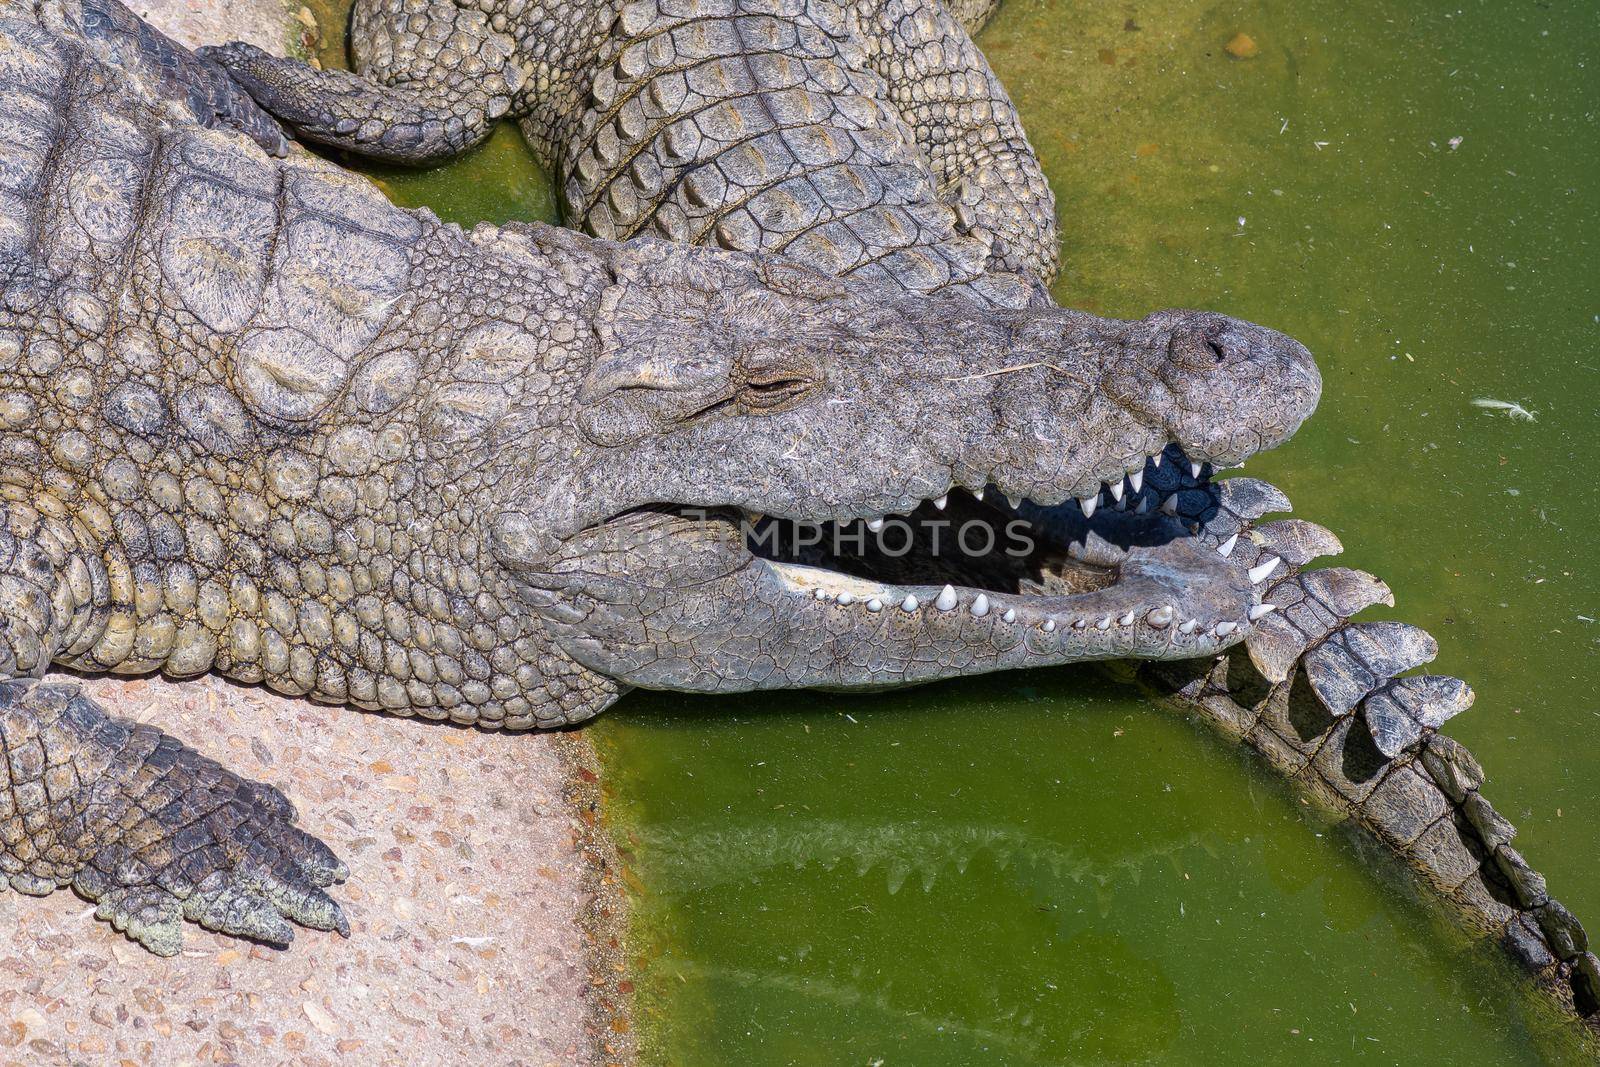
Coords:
1217,351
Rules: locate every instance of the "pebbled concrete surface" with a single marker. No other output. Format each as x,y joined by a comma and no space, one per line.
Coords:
465,900
483,923
282,27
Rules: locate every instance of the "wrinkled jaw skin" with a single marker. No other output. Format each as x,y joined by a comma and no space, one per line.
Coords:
842,497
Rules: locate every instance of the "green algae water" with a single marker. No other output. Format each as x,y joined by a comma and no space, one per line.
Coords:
1046,869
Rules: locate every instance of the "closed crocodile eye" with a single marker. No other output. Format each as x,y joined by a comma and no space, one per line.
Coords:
774,393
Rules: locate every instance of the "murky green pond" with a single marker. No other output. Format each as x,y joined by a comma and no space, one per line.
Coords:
1043,869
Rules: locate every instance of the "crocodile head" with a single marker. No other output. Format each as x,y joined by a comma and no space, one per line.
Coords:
774,478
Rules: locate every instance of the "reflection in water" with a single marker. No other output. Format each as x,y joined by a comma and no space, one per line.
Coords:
712,852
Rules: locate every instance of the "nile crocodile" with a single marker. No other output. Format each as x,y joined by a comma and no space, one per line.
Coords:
255,419
862,138
872,140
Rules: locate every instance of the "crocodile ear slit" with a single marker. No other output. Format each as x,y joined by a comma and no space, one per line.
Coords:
635,368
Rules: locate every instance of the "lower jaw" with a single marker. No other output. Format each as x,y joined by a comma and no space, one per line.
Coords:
1128,583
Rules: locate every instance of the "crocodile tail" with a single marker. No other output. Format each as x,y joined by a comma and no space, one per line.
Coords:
1327,702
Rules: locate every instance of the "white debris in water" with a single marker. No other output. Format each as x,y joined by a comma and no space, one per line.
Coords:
1514,412
1455,143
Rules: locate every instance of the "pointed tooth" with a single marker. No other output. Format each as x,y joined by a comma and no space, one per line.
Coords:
1189,627
1116,489
1049,626
1126,620
1226,548
942,501
1261,571
1014,501
1103,624
1223,629
1122,505
1088,504
1261,611
980,607
1160,616
875,525
978,495
1080,624
1155,460
909,603
1169,506
847,598
947,598
1136,479
1144,506
1194,469
874,604
1010,615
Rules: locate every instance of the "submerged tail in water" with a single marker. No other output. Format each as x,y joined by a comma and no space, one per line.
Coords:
1322,699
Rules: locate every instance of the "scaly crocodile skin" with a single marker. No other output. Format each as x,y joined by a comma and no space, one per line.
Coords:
679,135
256,420
865,138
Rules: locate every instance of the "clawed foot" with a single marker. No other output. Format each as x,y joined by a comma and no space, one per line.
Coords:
150,830
242,869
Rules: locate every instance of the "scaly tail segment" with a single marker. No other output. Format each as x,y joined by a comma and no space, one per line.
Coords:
1321,698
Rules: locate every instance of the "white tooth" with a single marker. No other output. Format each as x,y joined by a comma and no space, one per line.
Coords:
847,598
1194,469
1049,626
821,594
1122,505
1155,460
1160,617
1136,479
1015,502
980,607
978,495
1116,489
1225,628
1226,548
1144,506
874,604
1262,610
1010,615
947,599
1103,624
1088,504
942,501
1126,620
1079,624
909,603
875,525
1169,506
1260,571
1189,627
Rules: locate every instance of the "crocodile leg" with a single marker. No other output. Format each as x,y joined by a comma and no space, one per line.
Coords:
859,139
1323,701
127,816
968,129
452,92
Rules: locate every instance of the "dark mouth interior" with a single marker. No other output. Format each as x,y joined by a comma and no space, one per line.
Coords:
993,545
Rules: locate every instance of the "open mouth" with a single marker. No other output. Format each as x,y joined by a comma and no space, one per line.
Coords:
1120,573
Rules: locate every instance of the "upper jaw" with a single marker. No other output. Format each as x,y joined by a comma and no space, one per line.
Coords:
1140,486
